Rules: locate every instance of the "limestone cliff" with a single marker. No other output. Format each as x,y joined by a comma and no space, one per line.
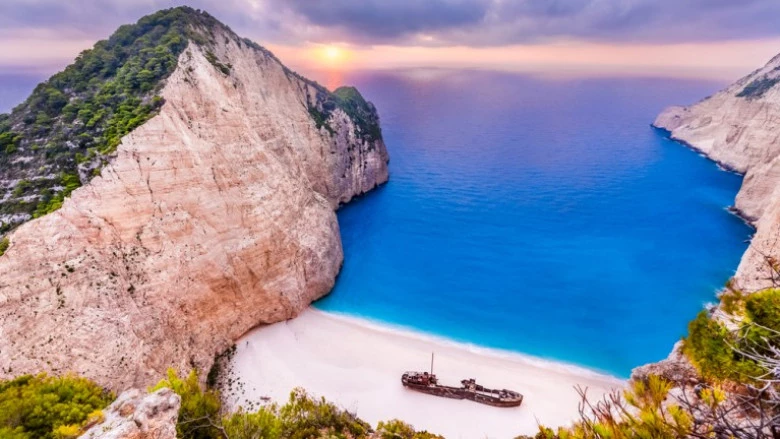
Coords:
212,217
739,127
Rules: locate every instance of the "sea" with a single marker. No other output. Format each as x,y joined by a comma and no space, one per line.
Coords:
538,215
543,216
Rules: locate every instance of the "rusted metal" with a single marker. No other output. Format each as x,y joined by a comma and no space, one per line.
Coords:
428,383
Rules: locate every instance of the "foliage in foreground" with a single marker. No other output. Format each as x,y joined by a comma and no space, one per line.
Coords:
302,417
659,409
737,356
44,407
722,353
639,412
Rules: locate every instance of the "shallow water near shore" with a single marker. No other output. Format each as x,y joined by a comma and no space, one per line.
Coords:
539,216
544,217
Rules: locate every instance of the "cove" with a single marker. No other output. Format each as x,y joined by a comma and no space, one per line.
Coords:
538,216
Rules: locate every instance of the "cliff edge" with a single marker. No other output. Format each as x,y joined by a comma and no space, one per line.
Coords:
739,127
213,216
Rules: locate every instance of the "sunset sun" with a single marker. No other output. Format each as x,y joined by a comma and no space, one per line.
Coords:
371,219
332,55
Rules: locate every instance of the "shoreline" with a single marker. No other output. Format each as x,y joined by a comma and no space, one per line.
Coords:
474,348
725,167
357,363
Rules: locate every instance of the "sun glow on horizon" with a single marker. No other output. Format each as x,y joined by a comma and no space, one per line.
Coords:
719,61
331,55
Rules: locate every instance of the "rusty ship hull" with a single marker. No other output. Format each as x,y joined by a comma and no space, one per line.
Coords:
427,383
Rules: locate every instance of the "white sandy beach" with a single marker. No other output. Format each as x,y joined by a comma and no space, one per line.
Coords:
358,365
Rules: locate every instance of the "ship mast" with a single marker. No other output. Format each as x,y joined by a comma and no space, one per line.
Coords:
431,363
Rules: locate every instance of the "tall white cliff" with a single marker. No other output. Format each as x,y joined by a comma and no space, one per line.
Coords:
215,216
740,128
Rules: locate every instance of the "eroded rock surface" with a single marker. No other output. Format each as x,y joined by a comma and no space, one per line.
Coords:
138,415
215,216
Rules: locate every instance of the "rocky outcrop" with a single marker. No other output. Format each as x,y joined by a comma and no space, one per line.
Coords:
138,415
675,368
739,127
215,216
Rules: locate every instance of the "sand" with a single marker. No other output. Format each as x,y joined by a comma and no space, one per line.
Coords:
357,364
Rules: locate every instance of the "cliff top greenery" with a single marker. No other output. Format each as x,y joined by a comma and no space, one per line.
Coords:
63,134
43,407
70,126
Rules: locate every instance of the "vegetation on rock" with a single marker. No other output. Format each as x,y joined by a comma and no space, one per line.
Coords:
67,129
640,412
70,126
203,417
737,355
722,353
396,429
758,87
349,100
44,407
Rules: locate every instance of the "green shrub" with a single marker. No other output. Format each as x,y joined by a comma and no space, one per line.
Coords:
354,105
763,308
710,347
714,349
223,68
49,203
305,417
200,409
4,244
396,429
262,424
38,406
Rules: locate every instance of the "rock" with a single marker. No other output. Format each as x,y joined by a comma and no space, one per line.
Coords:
215,216
675,368
739,127
138,415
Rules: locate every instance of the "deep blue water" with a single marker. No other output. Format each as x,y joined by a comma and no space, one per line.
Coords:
544,217
540,216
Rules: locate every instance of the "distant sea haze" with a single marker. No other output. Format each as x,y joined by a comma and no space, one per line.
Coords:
543,217
14,88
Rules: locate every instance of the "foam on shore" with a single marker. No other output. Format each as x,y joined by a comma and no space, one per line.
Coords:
358,363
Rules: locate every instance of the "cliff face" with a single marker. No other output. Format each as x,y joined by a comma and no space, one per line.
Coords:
214,216
740,128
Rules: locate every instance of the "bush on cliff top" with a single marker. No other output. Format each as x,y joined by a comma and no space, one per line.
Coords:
202,417
44,407
719,352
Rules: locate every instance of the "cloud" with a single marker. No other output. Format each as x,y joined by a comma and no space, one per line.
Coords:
423,22
383,19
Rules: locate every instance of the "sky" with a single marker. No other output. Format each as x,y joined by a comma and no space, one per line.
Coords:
721,39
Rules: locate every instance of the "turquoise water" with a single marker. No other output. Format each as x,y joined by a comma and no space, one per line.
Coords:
544,217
